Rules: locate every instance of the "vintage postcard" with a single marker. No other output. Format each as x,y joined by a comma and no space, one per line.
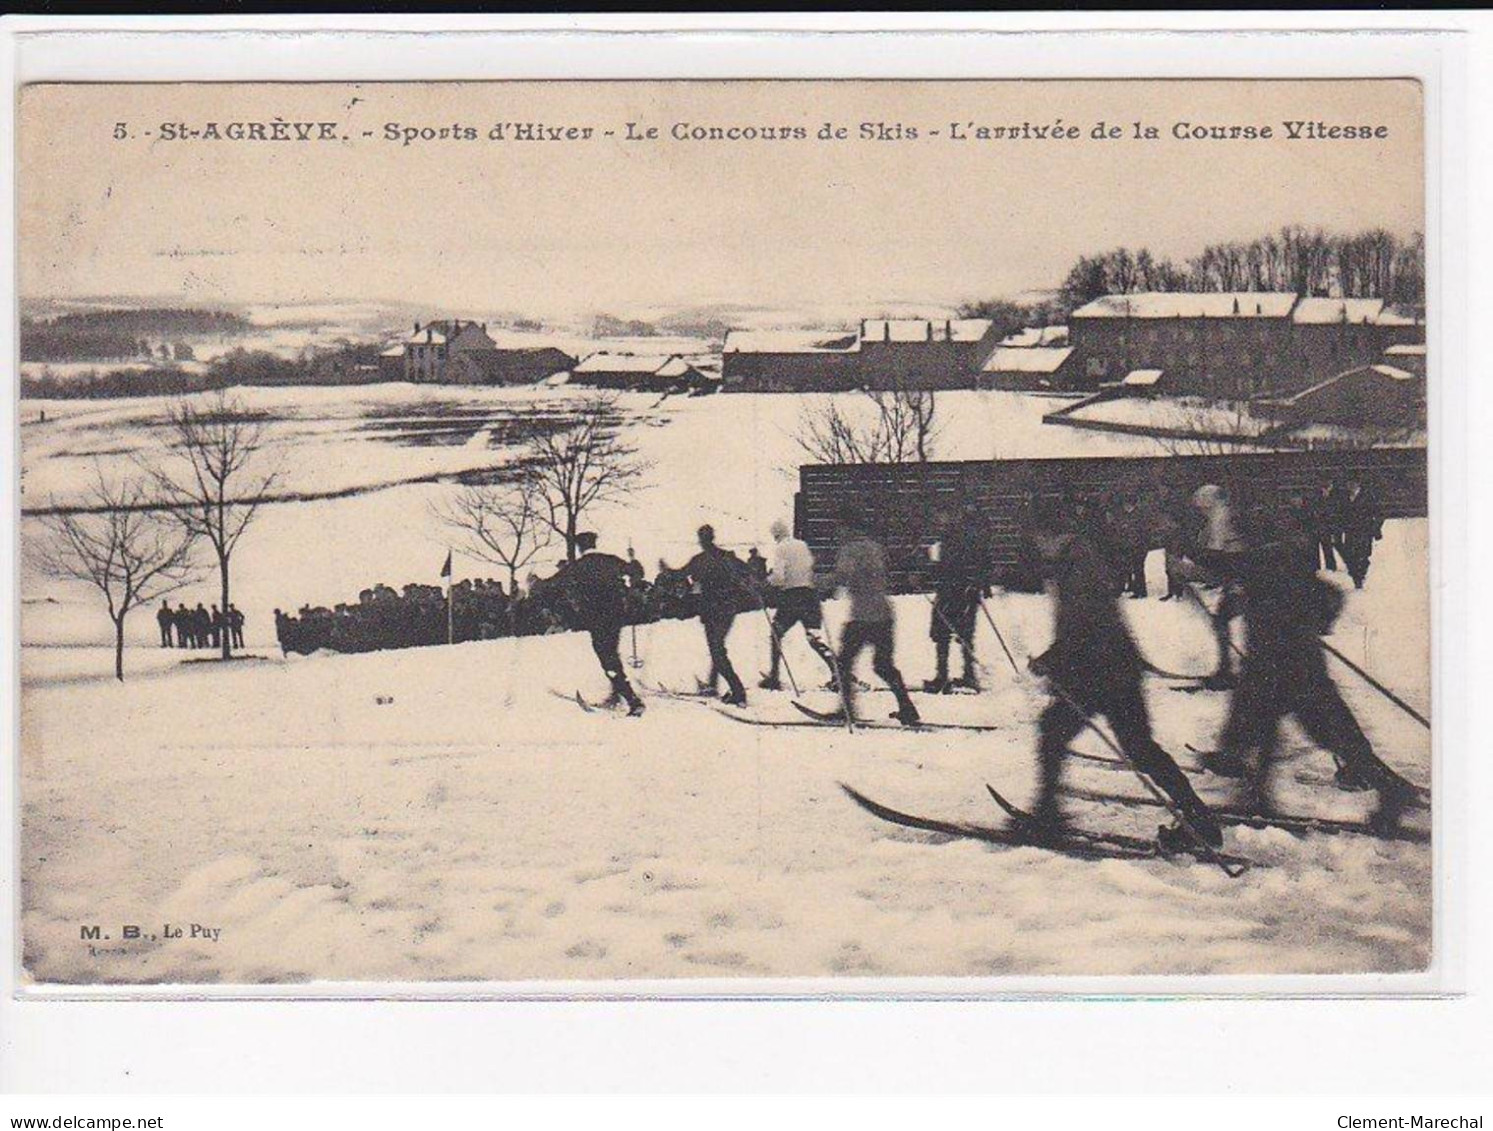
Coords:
722,531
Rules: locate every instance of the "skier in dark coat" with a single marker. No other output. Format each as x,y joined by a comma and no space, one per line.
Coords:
961,570
1327,521
1287,607
860,569
594,589
1363,525
1094,668
721,579
167,620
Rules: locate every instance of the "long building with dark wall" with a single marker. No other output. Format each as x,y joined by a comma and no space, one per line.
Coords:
920,353
882,353
1241,344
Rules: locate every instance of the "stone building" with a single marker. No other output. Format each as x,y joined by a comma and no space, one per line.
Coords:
1240,344
430,348
790,361
922,353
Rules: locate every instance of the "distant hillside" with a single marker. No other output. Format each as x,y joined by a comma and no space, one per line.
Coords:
118,334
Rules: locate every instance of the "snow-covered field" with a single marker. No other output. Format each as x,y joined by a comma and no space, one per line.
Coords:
477,827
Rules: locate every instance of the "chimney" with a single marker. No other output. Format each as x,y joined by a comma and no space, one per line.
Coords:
930,329
1236,304
886,330
1259,309
417,327
428,336
863,329
948,329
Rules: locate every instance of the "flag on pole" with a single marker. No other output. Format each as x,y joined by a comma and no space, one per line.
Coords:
446,569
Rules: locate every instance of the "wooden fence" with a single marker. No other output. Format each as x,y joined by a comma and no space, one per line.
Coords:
902,501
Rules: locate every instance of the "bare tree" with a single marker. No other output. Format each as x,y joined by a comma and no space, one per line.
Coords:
115,541
503,524
217,480
1214,429
580,464
901,429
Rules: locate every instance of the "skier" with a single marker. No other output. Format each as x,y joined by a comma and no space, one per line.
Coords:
1094,668
860,569
1363,525
720,577
166,619
791,573
757,567
1327,517
1219,545
1286,608
961,564
594,586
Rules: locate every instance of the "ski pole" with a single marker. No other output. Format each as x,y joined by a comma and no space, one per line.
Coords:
1377,686
1160,795
636,663
840,675
756,596
990,620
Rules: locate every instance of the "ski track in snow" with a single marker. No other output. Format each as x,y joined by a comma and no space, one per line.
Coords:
477,827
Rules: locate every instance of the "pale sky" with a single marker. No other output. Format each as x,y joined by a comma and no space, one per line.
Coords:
560,226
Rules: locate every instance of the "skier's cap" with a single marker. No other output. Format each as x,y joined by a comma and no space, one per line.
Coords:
586,540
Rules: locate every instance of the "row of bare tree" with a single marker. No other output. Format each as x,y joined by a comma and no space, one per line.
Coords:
557,477
136,540
1370,264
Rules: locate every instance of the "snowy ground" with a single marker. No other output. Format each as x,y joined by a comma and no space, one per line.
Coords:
477,827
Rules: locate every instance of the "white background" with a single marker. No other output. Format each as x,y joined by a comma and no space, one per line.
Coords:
1430,1046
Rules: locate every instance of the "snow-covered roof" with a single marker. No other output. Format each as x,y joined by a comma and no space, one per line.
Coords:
1407,349
1142,378
660,365
441,331
1390,371
790,341
918,329
1388,317
393,351
1187,304
1320,310
1018,359
1033,337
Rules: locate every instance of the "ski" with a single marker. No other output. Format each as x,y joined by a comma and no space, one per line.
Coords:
1307,777
1041,833
1099,848
684,696
837,718
753,721
1297,825
576,699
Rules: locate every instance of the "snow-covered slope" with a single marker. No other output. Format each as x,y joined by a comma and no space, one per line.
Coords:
475,826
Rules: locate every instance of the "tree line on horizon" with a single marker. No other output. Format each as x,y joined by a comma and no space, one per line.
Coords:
1374,263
